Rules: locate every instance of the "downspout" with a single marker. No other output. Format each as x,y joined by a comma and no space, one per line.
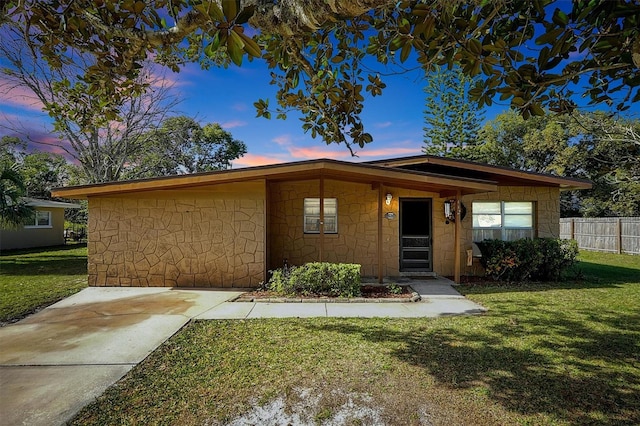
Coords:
380,255
321,248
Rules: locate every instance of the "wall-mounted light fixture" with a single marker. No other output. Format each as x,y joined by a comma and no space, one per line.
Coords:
388,198
450,211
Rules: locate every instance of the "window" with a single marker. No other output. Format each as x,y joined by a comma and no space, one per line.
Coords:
42,219
502,220
312,216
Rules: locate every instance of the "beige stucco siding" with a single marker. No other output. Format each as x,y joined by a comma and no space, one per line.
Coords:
546,215
356,240
214,236
36,237
206,237
357,237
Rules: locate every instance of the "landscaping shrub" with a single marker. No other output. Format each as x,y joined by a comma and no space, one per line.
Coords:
318,278
539,259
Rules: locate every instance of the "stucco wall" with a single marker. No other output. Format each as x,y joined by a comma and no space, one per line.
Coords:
357,237
546,207
215,236
546,214
356,240
206,237
442,233
36,237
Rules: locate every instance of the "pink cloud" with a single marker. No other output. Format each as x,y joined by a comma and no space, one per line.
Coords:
239,106
162,79
18,96
389,152
9,118
252,160
383,124
319,152
233,123
283,140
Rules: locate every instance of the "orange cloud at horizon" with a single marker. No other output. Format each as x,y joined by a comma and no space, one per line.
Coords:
314,152
253,160
317,152
344,154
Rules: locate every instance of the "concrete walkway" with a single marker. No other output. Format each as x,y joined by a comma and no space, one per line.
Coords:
55,362
439,298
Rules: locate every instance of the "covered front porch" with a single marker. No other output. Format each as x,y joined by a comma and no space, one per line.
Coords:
391,222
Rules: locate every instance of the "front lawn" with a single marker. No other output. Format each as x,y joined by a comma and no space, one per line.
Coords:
32,279
564,353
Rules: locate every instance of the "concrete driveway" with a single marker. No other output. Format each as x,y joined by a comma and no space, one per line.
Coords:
55,362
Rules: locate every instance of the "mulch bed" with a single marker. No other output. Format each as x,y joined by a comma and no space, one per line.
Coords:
369,293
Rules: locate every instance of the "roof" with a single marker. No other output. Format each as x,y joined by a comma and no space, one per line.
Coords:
421,173
37,202
502,175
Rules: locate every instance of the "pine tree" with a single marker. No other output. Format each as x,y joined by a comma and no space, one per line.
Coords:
452,122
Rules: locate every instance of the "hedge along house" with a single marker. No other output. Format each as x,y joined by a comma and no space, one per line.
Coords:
229,228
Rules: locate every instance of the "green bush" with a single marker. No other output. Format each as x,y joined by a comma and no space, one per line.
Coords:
318,278
540,259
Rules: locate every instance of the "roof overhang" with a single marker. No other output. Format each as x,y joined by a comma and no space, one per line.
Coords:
445,185
501,175
36,202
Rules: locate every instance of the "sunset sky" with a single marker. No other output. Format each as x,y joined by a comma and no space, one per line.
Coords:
226,96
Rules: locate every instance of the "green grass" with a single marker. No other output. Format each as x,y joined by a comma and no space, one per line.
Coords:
552,354
31,279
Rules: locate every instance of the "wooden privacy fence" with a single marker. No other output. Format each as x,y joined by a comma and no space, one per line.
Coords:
610,234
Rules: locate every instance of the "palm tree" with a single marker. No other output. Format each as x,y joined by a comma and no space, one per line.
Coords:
14,212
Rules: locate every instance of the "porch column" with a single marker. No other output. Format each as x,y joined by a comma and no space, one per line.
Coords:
267,220
380,255
458,231
321,245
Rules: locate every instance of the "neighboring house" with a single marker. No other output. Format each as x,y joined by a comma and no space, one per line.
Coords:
229,228
47,228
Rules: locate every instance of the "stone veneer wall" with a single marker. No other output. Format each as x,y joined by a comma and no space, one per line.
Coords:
442,234
546,210
206,237
356,240
357,237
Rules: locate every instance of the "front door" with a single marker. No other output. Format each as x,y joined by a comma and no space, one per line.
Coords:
415,235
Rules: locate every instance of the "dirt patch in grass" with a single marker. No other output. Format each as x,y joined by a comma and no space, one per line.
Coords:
318,371
558,354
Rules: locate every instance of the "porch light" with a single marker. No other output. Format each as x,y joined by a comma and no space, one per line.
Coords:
388,198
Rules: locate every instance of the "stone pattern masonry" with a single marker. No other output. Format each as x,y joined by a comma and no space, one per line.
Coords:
357,237
210,237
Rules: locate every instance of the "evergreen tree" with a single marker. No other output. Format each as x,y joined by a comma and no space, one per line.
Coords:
452,122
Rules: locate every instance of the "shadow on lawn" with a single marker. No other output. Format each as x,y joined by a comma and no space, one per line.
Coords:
583,372
44,262
594,275
36,250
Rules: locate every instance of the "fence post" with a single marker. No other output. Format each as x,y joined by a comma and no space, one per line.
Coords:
619,235
571,229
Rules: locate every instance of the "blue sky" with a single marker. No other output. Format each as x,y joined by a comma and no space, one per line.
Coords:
226,96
